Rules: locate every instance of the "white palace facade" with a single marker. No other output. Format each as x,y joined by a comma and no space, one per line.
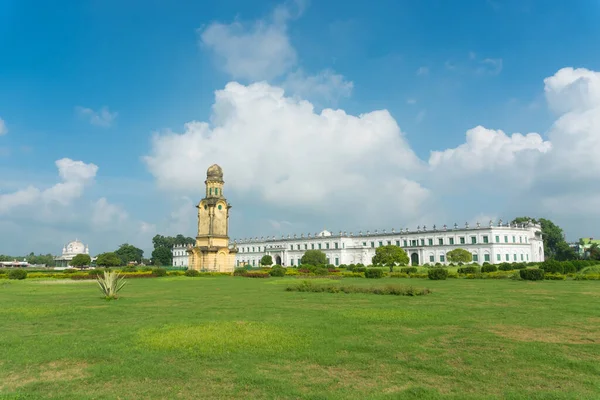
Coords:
494,243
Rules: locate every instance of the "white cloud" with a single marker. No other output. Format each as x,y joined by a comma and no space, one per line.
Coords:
411,101
253,51
3,128
262,50
75,176
103,117
488,150
420,116
279,149
573,90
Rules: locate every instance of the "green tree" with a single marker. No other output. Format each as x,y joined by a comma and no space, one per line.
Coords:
80,260
162,256
108,260
552,236
128,253
459,255
594,251
314,257
390,256
266,260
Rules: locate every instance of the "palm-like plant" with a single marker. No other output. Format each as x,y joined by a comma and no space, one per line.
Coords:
110,284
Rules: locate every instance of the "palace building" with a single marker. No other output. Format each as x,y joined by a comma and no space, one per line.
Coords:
495,243
69,251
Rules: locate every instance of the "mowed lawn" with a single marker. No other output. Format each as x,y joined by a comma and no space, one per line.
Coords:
225,337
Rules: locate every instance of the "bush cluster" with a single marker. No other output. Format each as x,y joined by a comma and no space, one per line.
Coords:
159,272
374,273
409,270
256,275
17,274
532,274
489,268
437,274
277,270
470,269
192,272
397,290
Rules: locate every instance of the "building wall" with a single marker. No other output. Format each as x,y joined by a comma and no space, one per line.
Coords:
492,244
180,256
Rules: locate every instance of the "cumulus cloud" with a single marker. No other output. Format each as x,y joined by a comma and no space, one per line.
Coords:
107,216
280,149
262,50
103,117
488,150
573,90
3,128
255,51
75,175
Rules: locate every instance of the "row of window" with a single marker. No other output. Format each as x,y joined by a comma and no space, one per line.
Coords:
403,243
210,191
179,253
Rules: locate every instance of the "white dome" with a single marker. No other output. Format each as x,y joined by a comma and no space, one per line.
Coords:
75,247
325,233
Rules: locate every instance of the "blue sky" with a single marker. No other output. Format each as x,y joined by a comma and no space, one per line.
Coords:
438,69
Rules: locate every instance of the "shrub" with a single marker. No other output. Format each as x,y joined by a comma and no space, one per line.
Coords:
110,284
591,270
505,267
374,273
409,270
256,275
95,272
397,290
320,271
238,271
469,270
192,272
532,274
277,271
353,274
489,268
17,274
555,277
437,274
129,268
159,272
552,266
568,267
360,269
398,275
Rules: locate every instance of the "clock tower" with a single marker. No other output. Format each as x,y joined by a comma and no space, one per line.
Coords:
211,251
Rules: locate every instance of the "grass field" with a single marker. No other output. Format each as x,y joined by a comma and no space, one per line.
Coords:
223,337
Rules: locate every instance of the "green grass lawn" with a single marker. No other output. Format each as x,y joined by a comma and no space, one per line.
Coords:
223,337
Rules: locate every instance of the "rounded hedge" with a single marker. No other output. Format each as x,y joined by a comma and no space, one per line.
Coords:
374,273
277,271
17,274
437,274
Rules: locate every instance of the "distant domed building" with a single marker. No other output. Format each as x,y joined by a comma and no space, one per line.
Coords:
69,251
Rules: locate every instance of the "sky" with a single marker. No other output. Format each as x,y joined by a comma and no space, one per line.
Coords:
333,115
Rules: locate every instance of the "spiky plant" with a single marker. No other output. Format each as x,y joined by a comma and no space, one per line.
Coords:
110,284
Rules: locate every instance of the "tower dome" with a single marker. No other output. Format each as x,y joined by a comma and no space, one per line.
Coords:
74,247
214,173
